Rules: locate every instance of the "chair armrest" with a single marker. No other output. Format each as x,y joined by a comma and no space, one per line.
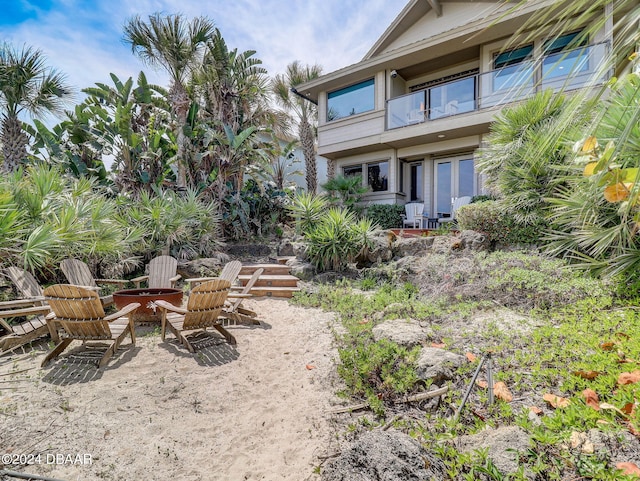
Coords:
169,307
20,302
200,279
138,280
175,278
26,311
122,312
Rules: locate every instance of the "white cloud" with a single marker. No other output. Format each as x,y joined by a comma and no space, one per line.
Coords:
83,38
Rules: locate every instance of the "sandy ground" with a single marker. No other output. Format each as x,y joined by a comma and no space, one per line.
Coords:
256,411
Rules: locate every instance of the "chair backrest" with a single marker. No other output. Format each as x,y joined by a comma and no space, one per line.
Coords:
205,303
230,271
77,273
79,311
247,288
25,283
161,270
413,209
459,202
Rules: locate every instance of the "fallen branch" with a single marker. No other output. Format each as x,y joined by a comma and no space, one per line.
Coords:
416,397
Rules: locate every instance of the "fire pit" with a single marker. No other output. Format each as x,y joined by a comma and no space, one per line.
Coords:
146,296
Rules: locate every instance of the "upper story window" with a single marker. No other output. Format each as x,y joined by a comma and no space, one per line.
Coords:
351,100
564,55
513,68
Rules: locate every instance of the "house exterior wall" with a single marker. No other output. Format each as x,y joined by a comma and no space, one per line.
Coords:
418,72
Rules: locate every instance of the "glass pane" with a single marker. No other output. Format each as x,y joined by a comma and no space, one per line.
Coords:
352,171
513,76
378,176
564,63
465,178
512,57
406,110
443,189
452,98
416,182
351,100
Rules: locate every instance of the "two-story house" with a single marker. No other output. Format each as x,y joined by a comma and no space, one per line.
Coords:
411,115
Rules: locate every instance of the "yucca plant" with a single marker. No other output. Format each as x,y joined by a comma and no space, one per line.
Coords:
339,238
307,209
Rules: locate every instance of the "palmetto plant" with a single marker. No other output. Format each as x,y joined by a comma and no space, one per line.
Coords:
26,85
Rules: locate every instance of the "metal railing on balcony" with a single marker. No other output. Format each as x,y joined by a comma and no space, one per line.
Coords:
567,70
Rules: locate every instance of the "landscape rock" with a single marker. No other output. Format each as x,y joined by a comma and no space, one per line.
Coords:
503,446
204,267
302,270
404,332
437,364
475,241
385,456
412,246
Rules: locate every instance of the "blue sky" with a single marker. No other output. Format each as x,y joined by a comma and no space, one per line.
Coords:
83,38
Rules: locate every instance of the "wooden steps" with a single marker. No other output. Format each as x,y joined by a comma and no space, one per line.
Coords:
275,281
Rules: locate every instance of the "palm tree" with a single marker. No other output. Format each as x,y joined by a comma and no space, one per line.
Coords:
305,112
27,85
177,46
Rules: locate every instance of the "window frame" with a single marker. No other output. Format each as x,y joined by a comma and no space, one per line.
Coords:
364,84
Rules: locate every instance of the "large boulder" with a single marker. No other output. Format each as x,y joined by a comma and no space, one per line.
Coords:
205,267
503,445
412,246
404,332
385,456
437,364
475,241
302,270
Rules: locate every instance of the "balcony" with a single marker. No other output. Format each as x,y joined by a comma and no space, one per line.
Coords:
568,70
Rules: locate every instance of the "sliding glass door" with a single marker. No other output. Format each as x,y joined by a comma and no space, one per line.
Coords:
453,177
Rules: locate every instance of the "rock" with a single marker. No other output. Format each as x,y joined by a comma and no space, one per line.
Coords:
443,244
302,270
285,249
475,241
385,456
412,246
381,250
405,332
249,250
205,267
437,364
503,446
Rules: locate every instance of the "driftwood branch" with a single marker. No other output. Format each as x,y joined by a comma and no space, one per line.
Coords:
416,397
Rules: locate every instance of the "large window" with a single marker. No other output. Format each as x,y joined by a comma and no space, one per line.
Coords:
565,55
513,68
351,100
378,176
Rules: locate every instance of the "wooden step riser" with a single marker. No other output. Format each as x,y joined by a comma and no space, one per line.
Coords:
269,270
284,283
266,292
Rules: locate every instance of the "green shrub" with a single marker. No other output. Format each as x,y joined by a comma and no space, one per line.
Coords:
387,216
307,209
495,220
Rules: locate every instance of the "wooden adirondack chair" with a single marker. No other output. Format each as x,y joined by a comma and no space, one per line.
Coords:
233,310
203,310
229,272
79,314
78,274
162,273
16,335
32,303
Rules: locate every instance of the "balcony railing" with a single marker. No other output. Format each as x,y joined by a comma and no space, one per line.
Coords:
569,70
